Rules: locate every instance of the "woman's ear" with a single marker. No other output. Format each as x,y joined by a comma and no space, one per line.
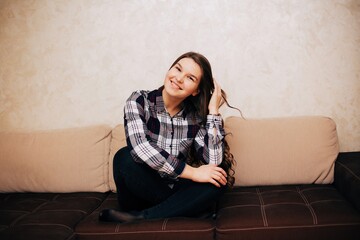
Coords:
196,92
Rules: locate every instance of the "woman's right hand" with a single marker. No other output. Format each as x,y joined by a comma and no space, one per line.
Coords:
215,100
205,173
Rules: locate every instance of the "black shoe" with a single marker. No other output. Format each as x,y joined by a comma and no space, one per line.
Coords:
112,215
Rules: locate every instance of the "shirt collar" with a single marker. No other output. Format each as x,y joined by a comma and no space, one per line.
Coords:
160,105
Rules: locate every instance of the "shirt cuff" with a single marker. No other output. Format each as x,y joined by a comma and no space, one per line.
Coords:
217,119
215,122
179,168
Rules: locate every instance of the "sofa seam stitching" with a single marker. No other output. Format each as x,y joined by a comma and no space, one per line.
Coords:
263,213
117,227
23,216
315,221
156,231
286,227
46,224
163,227
349,170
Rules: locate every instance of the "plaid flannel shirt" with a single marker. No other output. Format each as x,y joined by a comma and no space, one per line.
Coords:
162,141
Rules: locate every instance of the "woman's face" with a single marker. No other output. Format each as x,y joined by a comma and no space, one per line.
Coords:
183,79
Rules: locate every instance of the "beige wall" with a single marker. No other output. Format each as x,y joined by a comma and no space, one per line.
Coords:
73,63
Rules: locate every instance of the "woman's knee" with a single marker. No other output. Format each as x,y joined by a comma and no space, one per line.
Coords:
206,190
122,160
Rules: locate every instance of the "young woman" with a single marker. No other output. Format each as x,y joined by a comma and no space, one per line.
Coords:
177,162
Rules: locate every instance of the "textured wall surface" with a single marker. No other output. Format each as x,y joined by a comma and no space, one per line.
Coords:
74,63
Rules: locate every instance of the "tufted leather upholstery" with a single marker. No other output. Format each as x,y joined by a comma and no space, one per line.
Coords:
278,212
169,228
44,215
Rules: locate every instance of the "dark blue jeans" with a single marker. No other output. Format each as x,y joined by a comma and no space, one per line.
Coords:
141,188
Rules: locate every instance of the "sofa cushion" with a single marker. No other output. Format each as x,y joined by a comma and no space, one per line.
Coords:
168,228
44,215
294,150
70,160
118,141
286,212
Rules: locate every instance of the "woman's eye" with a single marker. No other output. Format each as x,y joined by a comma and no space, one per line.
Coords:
177,68
191,78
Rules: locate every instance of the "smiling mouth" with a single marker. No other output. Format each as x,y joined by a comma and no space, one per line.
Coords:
175,84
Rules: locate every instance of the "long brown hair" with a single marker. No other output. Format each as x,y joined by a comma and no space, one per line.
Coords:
200,103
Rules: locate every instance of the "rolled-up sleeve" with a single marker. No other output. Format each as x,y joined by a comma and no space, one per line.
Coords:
209,140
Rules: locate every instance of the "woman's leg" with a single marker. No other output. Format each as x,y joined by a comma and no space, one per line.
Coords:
190,199
138,186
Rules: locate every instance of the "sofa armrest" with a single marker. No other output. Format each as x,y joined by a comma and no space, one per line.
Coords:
347,176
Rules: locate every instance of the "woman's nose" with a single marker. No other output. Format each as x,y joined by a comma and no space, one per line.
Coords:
180,78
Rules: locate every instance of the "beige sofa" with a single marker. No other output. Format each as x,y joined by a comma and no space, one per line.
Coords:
54,183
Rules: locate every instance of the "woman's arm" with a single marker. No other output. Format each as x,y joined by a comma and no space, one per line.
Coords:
209,146
209,140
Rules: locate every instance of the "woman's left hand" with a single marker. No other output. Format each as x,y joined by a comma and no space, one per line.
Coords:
205,173
215,100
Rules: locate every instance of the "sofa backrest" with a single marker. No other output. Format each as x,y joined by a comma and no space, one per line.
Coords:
294,150
268,151
69,160
118,141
